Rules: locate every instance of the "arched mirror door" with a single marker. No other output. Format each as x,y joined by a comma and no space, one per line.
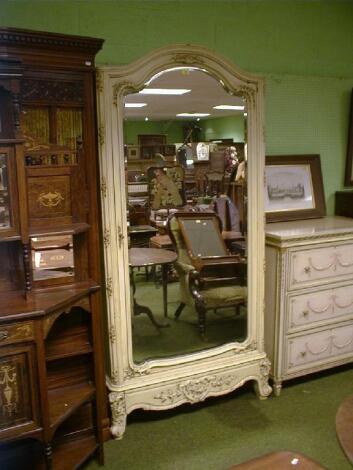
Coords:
182,176
185,174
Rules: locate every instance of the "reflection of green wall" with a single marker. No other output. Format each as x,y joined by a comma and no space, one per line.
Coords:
228,127
216,128
173,130
302,48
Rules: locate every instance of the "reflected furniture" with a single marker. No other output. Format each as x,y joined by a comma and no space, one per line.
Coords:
140,235
344,426
209,277
166,192
214,182
52,390
237,193
137,195
151,257
166,382
309,296
344,203
229,215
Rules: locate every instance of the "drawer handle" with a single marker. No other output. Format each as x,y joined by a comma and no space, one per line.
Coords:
305,313
4,334
303,353
307,269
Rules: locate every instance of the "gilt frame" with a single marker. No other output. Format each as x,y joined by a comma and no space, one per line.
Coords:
169,382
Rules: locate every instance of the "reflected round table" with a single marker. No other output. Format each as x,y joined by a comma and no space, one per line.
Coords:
144,257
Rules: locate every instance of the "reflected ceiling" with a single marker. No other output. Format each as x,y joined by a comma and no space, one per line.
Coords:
205,93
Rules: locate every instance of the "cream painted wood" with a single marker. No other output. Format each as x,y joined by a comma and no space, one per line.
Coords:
332,262
319,306
165,383
304,351
309,315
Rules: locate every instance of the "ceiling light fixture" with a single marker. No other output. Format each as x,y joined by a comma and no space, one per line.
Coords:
135,105
164,91
146,118
229,106
193,114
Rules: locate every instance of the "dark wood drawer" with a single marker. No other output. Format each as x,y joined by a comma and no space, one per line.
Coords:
16,333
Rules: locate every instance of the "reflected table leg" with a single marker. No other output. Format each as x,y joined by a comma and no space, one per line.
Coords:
165,287
138,309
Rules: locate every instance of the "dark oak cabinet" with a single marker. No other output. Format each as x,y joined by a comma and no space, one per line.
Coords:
52,391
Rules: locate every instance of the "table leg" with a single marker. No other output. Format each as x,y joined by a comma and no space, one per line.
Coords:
165,288
138,309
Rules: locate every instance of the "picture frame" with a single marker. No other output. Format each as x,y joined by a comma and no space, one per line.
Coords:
166,187
202,151
133,152
294,188
348,177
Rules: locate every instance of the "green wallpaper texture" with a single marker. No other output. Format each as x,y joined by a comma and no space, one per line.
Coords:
302,47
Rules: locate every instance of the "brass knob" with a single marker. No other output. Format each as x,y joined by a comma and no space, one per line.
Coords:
303,353
307,269
305,313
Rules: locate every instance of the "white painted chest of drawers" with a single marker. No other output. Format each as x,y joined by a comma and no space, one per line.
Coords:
308,296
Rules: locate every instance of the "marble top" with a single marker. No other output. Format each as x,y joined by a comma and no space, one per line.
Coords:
311,227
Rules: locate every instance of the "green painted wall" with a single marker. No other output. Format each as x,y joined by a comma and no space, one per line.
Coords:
173,130
302,47
224,128
216,128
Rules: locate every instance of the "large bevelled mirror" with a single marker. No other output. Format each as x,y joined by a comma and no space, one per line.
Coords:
185,151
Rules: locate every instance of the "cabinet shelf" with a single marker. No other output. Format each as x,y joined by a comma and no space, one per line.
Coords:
74,343
64,401
9,238
71,454
69,229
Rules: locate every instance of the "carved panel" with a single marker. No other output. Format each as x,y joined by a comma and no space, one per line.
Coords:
196,390
52,90
49,197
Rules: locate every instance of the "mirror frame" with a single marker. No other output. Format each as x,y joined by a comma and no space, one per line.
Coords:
159,384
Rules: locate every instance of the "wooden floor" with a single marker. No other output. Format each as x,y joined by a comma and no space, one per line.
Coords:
344,426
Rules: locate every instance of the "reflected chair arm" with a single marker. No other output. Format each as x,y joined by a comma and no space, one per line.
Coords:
195,285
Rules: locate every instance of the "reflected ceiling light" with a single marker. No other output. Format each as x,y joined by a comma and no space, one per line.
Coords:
193,114
135,105
164,91
229,106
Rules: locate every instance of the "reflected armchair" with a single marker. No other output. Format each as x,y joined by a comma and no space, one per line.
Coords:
209,277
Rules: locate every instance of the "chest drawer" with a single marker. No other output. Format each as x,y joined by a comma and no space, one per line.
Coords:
307,310
16,332
315,264
308,350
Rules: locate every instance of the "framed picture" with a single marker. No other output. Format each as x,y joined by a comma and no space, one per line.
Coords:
293,188
166,186
133,152
348,179
202,152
